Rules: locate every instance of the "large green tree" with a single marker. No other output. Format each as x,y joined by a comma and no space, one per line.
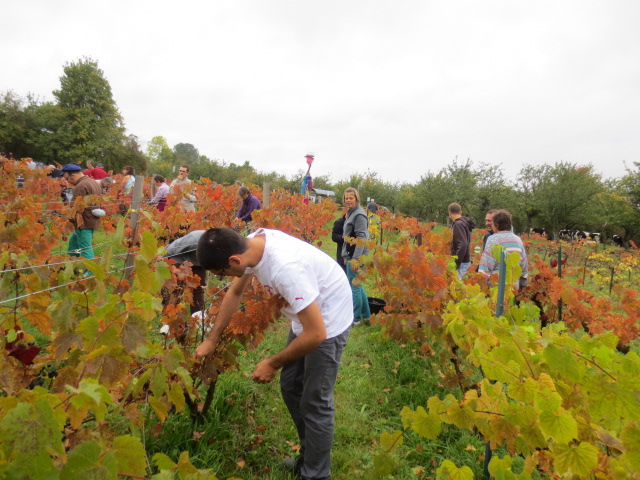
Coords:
160,155
90,125
558,196
629,187
186,153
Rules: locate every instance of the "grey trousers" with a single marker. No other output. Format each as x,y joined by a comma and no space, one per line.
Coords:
307,389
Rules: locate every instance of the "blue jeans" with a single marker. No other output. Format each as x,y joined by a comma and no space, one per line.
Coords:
307,390
462,269
361,309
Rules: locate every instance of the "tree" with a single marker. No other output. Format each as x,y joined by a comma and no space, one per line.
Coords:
20,124
160,155
185,153
91,126
560,194
431,196
629,187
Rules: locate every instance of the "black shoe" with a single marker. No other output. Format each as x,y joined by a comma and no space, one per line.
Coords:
293,465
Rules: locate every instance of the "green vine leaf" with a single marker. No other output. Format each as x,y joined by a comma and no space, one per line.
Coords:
31,439
631,440
579,460
88,461
449,471
389,442
130,455
425,424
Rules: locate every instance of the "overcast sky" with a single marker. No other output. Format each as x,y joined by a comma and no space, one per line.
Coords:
400,88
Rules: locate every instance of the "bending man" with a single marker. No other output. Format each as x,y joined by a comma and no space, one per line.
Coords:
320,308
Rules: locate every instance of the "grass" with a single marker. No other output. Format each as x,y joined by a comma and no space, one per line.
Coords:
249,430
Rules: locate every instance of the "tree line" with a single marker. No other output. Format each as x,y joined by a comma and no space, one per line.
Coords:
84,123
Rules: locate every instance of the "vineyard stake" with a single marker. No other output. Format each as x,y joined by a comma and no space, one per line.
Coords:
266,195
502,280
133,221
613,271
560,276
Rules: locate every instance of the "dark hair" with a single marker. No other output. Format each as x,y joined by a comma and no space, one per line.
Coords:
184,166
217,245
128,169
492,211
502,221
243,190
158,178
455,208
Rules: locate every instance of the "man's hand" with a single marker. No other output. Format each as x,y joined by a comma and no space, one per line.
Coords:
265,372
206,348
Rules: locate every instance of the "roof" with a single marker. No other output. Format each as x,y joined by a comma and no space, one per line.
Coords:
325,193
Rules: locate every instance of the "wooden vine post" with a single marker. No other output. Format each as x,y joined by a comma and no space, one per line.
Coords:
136,203
266,195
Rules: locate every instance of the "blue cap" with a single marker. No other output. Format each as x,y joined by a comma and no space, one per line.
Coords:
71,167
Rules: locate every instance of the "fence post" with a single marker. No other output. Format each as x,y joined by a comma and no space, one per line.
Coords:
613,272
266,195
136,203
502,280
560,276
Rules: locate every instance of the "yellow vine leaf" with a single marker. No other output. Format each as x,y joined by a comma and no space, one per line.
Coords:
501,468
406,414
163,462
425,424
160,407
130,455
176,396
579,460
631,440
449,471
389,442
558,425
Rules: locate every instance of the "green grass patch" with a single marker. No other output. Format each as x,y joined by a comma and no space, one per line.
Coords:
249,431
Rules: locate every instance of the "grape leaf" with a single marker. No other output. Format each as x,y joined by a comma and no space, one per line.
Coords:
130,455
579,460
176,396
449,471
631,440
558,425
163,462
389,442
160,407
87,462
425,424
30,434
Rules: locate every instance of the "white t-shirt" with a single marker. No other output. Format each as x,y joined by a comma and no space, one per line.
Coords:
301,273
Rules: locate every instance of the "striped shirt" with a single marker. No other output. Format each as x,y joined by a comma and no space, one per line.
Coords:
511,243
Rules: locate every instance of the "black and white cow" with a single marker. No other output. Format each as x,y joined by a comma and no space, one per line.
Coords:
617,240
565,235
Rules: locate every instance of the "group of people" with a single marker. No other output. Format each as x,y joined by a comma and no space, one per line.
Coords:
322,299
183,185
499,233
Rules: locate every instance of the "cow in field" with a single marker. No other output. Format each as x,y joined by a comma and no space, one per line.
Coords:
566,235
617,240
